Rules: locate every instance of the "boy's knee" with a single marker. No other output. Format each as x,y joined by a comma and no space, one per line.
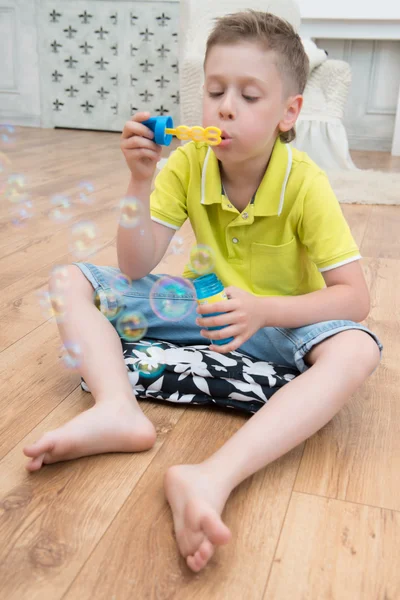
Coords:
363,351
69,278
353,347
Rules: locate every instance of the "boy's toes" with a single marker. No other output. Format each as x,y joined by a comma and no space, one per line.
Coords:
35,463
215,529
199,560
45,444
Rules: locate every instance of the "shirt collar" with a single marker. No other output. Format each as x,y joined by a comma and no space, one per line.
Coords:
270,196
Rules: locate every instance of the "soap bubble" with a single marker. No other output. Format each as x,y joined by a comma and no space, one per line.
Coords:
52,305
15,188
85,189
60,277
43,297
71,355
21,213
5,170
150,363
172,298
131,326
177,245
58,304
83,238
61,209
202,259
7,134
131,212
108,302
120,282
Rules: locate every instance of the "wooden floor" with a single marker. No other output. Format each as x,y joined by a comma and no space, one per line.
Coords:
321,523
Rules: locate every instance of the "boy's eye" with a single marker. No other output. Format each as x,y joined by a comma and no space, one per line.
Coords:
250,98
214,94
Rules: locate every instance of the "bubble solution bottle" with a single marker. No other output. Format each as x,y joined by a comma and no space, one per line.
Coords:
209,289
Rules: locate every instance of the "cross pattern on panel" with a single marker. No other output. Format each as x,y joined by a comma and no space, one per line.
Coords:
103,61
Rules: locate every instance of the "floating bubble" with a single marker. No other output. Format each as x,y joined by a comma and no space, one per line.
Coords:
60,277
52,305
108,302
177,245
120,282
150,363
202,259
21,213
85,189
61,209
58,304
131,212
15,187
45,303
71,355
7,133
172,298
131,326
5,170
83,238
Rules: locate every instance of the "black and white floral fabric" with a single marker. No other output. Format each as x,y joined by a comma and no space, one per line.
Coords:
163,371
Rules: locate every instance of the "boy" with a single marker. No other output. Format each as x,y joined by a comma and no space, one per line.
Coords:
283,249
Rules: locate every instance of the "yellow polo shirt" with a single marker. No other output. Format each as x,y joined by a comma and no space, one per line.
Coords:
291,231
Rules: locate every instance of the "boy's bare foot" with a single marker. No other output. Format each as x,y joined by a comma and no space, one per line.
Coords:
196,507
104,428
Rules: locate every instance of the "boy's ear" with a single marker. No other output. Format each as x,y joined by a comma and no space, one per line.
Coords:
291,113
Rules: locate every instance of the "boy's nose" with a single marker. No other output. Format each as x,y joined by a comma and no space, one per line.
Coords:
226,108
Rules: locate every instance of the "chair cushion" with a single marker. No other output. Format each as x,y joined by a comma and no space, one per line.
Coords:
161,371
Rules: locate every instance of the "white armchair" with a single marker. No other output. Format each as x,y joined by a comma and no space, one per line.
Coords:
320,130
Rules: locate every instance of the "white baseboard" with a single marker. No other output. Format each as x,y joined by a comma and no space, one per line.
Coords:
358,142
23,120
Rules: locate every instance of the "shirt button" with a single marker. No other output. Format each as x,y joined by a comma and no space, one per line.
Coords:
235,240
245,215
229,205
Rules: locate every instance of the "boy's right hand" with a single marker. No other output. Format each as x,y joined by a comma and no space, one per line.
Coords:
141,153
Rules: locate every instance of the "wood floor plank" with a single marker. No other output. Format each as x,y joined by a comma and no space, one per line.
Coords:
51,521
138,557
334,550
32,383
20,309
382,236
43,249
360,445
357,217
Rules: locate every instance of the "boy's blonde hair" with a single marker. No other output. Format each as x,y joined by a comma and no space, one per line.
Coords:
274,34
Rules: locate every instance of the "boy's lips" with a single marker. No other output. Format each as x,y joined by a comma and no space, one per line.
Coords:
226,140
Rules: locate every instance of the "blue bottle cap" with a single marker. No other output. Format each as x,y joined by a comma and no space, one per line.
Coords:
158,126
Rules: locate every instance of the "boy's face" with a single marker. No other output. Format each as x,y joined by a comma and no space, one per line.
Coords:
244,97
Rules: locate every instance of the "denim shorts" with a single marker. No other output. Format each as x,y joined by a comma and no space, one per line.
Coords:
282,346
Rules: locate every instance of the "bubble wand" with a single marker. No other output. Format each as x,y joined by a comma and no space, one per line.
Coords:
163,129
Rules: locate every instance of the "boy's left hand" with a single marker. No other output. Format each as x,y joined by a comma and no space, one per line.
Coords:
243,318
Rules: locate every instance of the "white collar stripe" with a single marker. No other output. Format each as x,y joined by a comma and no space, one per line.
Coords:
288,169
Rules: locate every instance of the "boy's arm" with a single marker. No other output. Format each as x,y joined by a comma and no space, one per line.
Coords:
345,297
141,248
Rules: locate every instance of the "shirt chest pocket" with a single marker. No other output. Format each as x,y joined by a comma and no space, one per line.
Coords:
276,270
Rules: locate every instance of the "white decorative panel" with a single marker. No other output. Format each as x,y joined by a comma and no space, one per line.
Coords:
7,46
103,61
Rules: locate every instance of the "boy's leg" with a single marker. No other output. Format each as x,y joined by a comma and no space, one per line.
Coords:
116,423
198,493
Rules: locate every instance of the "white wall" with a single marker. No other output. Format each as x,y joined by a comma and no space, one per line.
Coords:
353,9
19,71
